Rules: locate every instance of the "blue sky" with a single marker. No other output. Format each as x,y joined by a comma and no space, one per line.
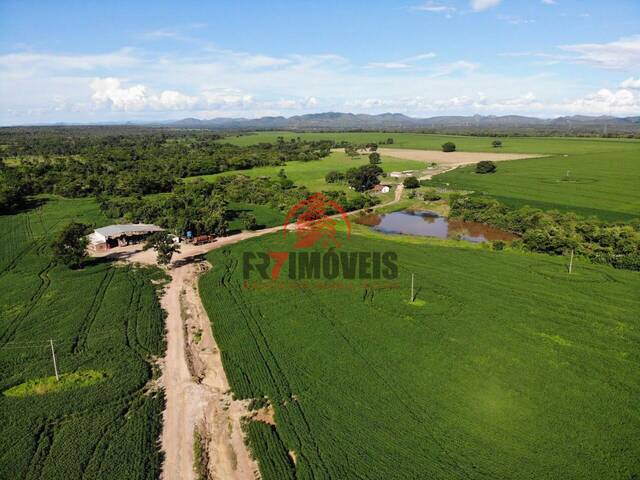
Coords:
94,61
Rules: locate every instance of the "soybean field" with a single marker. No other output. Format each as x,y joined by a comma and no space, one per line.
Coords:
505,366
102,418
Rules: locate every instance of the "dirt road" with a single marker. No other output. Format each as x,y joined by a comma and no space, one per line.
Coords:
198,396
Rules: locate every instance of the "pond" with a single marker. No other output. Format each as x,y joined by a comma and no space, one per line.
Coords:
430,224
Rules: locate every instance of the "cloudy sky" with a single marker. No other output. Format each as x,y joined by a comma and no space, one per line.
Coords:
90,61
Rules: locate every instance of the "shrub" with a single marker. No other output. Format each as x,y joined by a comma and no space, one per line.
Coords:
431,196
498,245
374,158
334,177
411,182
449,147
486,166
496,143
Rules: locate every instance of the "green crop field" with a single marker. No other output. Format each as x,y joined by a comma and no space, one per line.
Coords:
311,174
506,367
102,420
546,145
605,185
592,177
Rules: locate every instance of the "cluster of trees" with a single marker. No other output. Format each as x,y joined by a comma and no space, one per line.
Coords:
77,165
12,191
486,166
361,178
557,233
448,147
195,206
203,207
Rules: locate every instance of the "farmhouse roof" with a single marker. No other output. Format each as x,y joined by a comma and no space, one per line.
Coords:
114,231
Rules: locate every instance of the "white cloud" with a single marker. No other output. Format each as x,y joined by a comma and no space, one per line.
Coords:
480,5
623,54
515,20
606,102
461,66
38,62
402,63
109,93
435,7
549,2
631,82
227,98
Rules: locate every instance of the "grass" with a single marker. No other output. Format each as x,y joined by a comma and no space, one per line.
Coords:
101,319
604,185
511,368
266,216
546,145
603,173
46,385
311,174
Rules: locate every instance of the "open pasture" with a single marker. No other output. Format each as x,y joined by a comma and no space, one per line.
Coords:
505,367
103,421
589,176
311,174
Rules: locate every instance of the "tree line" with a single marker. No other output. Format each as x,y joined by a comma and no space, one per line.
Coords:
556,233
80,165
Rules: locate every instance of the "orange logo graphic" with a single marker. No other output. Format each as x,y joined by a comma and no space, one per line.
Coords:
313,224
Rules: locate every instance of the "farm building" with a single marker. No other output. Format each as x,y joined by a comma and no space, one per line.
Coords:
405,173
380,188
111,236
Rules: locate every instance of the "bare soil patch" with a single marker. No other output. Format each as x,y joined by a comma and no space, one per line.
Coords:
449,160
452,158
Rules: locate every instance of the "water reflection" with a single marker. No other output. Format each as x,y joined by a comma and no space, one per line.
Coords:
430,224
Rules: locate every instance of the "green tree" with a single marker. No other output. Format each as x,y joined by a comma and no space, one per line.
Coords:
248,220
411,182
333,177
486,166
163,245
70,244
364,177
496,143
448,147
351,151
374,158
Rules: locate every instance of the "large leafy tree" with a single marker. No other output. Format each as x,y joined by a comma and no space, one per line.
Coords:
364,177
163,245
70,244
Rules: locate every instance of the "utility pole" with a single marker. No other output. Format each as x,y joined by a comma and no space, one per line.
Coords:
571,261
412,275
53,354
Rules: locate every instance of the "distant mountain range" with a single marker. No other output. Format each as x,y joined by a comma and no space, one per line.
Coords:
397,121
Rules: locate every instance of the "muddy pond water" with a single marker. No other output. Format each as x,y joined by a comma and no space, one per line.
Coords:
430,224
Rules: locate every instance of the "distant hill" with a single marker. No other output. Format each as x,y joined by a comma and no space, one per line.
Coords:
331,121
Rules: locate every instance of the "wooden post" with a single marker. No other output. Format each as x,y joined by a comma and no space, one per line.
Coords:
412,297
53,354
571,261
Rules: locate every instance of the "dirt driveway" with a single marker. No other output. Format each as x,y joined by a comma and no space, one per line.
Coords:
198,396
